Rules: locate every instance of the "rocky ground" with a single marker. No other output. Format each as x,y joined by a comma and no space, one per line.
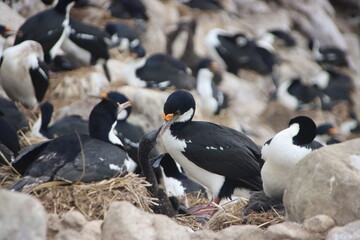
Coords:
319,204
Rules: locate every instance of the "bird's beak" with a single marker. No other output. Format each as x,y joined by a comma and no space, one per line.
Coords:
10,32
124,106
168,120
332,131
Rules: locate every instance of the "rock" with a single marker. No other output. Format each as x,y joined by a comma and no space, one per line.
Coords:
326,182
288,231
92,230
22,217
68,234
243,232
74,220
350,231
125,221
319,223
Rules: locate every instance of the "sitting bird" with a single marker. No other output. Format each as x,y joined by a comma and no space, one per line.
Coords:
77,157
282,152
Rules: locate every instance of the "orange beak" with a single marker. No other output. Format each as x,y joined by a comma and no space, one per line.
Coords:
167,117
332,131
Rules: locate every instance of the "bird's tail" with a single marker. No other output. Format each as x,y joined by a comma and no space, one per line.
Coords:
28,183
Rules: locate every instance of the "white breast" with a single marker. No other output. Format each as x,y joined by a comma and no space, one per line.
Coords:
211,181
280,158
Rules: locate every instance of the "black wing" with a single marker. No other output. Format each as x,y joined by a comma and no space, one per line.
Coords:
91,38
40,80
222,150
94,163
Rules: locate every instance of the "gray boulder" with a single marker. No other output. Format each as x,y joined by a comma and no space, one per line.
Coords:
21,217
350,231
124,221
326,182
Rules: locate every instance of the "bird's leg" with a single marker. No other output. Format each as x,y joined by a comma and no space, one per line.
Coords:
206,210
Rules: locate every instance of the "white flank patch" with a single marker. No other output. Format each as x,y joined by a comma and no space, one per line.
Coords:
114,167
85,36
130,164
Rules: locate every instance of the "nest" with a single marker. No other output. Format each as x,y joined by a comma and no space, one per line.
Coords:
93,199
227,215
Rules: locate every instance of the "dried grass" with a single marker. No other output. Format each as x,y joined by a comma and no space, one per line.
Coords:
93,199
228,214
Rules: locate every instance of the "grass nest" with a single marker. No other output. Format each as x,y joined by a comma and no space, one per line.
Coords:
93,199
230,213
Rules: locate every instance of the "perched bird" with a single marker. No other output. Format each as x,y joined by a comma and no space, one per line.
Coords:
73,124
326,134
158,71
296,95
176,182
24,74
180,43
336,86
75,157
279,37
49,28
9,142
236,51
203,4
212,98
121,35
328,55
282,152
12,115
350,126
88,44
221,159
126,9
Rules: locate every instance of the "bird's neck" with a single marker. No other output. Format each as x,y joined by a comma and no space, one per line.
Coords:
64,7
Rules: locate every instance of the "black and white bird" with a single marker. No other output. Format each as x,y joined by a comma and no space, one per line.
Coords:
121,35
88,44
326,134
24,74
75,157
170,174
221,159
236,51
296,95
9,142
282,152
328,55
158,71
350,126
49,28
335,85
203,4
279,37
72,124
127,9
212,98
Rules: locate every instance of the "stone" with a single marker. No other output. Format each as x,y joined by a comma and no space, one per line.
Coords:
242,232
68,234
350,231
92,230
74,220
22,217
124,221
326,182
288,231
319,223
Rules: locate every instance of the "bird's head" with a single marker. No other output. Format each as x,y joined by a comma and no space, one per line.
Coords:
178,108
304,129
6,31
